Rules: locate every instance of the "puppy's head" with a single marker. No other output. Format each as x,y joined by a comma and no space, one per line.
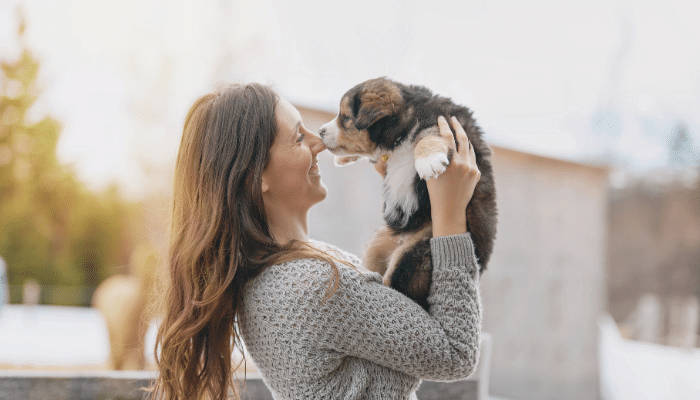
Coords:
372,115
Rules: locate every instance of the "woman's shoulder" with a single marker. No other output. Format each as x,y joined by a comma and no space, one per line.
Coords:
305,268
285,277
311,274
357,267
336,252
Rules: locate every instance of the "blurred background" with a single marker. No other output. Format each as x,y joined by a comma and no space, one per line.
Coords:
592,109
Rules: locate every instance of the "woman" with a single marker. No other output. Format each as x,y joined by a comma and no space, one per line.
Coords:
315,322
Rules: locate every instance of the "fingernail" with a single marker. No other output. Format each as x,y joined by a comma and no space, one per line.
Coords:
441,118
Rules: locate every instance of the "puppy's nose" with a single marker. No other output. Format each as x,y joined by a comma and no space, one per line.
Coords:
322,132
316,145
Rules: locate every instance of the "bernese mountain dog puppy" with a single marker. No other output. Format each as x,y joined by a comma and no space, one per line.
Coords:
384,119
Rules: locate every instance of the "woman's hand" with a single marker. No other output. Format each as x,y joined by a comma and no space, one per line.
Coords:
452,190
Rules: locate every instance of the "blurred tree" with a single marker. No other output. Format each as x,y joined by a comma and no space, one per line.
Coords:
52,229
682,151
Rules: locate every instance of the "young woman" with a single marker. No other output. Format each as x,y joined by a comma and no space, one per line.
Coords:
241,267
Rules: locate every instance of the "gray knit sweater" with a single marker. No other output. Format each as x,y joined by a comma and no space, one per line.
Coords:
367,341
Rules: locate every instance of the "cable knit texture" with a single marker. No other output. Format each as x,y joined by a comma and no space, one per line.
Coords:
367,341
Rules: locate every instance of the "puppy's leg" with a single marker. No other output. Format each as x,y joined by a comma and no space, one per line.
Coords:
379,249
410,268
432,156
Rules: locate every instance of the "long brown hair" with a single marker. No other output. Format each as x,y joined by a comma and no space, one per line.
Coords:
219,240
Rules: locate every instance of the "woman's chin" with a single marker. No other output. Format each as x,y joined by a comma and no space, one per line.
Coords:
322,192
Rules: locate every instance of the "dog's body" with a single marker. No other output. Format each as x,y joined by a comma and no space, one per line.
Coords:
381,118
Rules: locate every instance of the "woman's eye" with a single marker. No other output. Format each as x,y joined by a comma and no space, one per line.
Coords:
301,137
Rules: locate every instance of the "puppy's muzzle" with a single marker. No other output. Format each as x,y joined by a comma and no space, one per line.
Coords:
327,138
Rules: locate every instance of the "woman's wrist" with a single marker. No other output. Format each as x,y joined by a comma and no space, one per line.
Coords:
447,226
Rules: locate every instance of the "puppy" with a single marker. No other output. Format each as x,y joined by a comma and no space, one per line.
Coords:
384,119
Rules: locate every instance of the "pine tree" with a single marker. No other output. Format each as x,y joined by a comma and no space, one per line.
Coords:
27,163
52,229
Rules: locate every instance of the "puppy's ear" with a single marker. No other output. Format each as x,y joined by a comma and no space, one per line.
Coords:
378,129
378,99
367,117
345,160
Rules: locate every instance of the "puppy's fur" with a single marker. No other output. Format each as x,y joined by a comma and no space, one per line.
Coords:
380,118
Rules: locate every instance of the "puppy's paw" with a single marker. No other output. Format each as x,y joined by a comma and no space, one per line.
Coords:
345,160
431,157
432,166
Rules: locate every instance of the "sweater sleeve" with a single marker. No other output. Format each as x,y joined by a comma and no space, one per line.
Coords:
366,319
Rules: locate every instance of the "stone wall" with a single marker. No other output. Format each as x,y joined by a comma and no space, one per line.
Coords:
129,385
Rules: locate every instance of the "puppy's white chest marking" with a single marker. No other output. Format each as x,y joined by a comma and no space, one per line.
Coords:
399,192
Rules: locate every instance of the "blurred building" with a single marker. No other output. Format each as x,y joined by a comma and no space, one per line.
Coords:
544,289
654,256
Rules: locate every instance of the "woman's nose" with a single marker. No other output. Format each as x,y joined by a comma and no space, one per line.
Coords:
315,143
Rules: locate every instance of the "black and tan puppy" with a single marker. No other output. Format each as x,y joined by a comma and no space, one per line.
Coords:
384,119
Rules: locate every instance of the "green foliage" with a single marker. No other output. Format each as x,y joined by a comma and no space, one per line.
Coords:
52,229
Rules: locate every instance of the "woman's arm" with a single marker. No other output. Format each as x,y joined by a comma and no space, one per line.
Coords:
365,319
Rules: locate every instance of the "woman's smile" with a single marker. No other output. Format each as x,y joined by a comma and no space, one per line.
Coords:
315,170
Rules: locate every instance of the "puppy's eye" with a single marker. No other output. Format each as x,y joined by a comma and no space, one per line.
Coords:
344,119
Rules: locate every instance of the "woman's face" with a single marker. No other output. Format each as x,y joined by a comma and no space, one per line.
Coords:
292,178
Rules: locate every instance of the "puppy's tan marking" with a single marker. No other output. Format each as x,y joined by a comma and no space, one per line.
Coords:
344,110
379,250
420,280
354,141
429,146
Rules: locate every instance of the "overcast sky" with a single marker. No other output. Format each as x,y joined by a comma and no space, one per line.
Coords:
575,80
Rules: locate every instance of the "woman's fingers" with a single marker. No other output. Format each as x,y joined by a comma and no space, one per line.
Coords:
461,136
445,131
472,155
459,139
465,147
451,192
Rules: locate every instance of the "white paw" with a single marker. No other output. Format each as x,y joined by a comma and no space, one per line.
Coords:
432,166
